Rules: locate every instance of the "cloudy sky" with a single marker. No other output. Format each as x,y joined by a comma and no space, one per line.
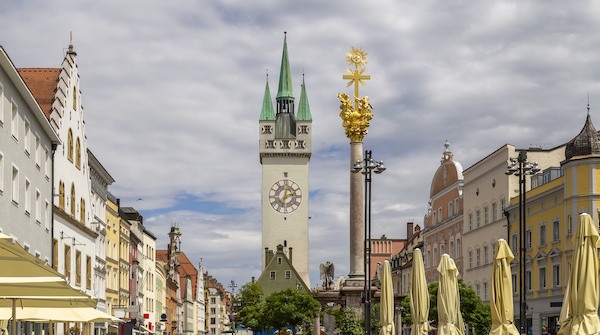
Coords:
172,92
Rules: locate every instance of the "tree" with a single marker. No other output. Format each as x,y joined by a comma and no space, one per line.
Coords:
288,308
248,299
473,310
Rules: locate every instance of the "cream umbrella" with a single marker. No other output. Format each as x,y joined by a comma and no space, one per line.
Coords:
26,281
579,314
501,301
450,320
61,314
419,296
386,311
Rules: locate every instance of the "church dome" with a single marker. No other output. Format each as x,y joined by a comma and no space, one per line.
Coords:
586,143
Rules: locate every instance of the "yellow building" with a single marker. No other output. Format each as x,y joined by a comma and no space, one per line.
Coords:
112,254
557,196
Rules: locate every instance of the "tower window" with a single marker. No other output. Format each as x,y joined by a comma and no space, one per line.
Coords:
285,144
303,129
300,144
270,144
267,130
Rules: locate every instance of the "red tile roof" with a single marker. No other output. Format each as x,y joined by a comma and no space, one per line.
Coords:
162,255
187,269
42,83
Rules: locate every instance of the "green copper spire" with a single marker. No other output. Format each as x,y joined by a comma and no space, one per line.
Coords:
285,76
303,108
267,113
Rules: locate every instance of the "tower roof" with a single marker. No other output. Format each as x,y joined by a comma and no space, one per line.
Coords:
303,108
285,76
585,143
267,112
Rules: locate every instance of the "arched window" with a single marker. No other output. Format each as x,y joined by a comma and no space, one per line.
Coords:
78,154
82,211
73,200
75,98
61,192
70,145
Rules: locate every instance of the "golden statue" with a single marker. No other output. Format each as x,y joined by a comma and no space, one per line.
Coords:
356,119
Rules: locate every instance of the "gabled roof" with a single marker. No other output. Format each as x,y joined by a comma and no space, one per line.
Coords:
42,82
267,113
162,255
186,269
270,285
13,74
303,108
285,75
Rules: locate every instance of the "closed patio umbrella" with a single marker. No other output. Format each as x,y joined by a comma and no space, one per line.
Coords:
579,314
419,296
386,311
501,301
450,320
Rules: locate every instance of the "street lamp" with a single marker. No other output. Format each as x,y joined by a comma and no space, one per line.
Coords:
366,166
521,167
233,285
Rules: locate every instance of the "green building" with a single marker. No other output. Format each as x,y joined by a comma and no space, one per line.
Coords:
279,273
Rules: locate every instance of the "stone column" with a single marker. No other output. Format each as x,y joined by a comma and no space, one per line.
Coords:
357,222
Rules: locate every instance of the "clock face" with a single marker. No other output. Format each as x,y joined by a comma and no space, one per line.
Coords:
285,196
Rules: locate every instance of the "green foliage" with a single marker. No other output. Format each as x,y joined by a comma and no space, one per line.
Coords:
289,308
248,298
346,322
473,310
280,310
375,318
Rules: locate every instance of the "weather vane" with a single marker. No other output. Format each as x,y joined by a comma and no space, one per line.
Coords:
356,118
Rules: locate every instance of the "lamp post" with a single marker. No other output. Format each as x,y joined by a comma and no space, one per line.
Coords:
521,167
233,285
366,166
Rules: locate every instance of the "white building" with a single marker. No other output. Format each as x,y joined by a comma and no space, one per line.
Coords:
99,181
26,146
74,252
148,286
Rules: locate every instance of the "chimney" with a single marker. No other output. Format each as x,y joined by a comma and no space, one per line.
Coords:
409,230
252,280
290,257
119,203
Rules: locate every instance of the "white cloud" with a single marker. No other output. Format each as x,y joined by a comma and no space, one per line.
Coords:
172,95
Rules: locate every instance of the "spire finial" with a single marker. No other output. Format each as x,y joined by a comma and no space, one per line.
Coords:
71,37
588,103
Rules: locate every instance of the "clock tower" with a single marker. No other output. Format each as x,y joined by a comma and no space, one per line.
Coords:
285,149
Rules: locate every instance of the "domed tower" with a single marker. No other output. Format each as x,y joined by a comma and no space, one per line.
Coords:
580,168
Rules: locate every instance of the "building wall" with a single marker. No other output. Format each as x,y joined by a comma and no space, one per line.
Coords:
487,186
444,220
26,216
289,229
112,255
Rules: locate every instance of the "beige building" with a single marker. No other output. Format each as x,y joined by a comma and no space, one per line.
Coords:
487,193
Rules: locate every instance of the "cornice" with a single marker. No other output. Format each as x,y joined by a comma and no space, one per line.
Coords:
61,213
